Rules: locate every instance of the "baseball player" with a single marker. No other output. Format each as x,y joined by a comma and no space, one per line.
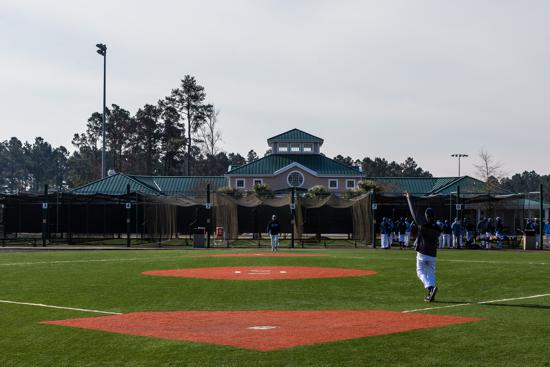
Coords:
499,232
273,229
408,232
402,229
426,245
383,233
457,233
447,230
470,229
489,233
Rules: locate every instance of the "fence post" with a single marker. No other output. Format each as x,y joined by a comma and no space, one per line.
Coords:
45,216
293,216
128,215
373,221
209,216
3,223
541,224
459,204
69,222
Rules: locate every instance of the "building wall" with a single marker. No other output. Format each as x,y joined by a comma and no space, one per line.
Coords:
279,182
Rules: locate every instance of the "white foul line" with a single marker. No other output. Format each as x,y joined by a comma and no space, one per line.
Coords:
87,261
496,262
59,307
478,303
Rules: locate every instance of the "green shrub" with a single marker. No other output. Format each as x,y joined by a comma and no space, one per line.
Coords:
316,191
231,191
262,189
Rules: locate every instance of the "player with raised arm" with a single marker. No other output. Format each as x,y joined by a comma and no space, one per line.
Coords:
427,241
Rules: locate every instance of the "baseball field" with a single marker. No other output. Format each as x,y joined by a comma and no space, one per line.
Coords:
318,307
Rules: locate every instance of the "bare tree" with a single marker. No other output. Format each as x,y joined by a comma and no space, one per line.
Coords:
209,133
489,170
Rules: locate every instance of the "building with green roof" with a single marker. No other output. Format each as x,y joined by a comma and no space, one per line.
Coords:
295,162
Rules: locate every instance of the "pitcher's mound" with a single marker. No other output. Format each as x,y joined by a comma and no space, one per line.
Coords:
263,330
261,272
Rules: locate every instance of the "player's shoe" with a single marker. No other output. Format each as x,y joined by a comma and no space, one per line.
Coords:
428,292
431,296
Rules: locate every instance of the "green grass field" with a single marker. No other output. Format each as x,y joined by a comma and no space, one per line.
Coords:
515,332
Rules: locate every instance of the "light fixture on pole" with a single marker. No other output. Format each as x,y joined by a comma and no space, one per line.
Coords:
459,155
102,50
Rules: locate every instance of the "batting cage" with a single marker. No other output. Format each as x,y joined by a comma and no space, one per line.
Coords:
218,219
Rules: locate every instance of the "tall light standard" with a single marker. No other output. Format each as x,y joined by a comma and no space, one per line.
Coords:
102,50
459,155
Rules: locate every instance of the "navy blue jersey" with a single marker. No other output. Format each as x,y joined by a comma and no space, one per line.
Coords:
402,227
274,227
457,228
428,239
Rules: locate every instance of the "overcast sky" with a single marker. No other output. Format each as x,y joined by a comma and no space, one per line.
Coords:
373,78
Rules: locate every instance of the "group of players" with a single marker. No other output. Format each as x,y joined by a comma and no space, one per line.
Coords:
451,235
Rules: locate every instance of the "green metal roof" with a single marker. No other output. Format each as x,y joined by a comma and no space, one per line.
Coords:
435,185
269,164
413,185
152,185
114,185
295,135
173,185
469,185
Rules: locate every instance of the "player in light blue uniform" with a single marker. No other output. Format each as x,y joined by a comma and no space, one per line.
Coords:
456,227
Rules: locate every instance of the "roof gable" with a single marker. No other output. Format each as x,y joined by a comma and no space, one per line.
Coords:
295,135
115,185
270,164
468,185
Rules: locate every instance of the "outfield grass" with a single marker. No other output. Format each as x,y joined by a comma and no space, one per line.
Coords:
514,333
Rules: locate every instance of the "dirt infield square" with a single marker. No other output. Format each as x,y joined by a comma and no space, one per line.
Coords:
263,330
261,272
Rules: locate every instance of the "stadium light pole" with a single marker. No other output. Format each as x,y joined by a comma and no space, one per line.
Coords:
459,155
102,50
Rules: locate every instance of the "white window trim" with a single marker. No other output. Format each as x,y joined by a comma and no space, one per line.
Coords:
283,145
258,179
243,180
300,173
333,180
310,145
295,145
354,184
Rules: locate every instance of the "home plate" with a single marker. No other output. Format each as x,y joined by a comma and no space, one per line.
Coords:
272,330
262,272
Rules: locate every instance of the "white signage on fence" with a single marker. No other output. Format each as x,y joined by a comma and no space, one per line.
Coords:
458,206
208,205
128,206
44,205
374,206
292,206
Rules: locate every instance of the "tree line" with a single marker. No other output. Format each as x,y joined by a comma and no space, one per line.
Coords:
177,135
